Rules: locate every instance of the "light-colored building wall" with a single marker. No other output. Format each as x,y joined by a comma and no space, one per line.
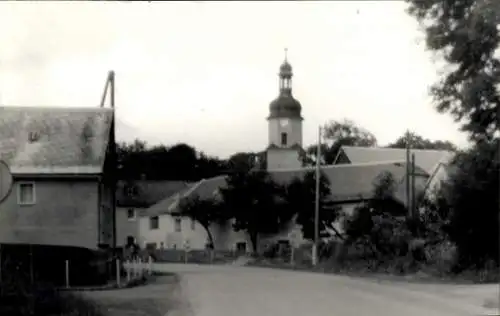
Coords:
436,181
283,159
293,131
126,226
65,212
167,236
225,237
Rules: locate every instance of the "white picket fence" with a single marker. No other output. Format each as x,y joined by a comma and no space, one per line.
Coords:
136,269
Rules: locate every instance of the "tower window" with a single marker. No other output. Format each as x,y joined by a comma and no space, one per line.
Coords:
284,139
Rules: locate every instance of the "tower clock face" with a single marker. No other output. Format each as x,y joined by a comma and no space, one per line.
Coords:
284,122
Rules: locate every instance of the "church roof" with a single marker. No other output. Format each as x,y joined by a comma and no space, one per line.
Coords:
425,159
285,105
348,183
47,140
286,69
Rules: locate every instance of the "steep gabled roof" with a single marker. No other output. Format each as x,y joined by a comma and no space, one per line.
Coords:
425,159
348,183
50,140
204,189
145,193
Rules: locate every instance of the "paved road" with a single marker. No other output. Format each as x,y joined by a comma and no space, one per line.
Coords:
242,291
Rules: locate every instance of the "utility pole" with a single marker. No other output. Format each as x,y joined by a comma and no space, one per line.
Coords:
413,193
408,172
316,205
110,84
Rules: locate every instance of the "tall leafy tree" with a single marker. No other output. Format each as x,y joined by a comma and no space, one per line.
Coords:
418,142
246,161
178,162
252,199
473,196
300,198
465,34
336,134
204,211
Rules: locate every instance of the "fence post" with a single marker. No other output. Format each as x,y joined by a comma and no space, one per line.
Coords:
292,251
127,269
67,273
136,268
141,268
118,275
150,265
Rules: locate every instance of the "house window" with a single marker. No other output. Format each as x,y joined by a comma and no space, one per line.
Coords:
284,139
154,222
178,222
130,214
26,193
193,224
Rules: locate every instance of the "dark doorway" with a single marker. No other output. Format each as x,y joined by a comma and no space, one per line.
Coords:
241,247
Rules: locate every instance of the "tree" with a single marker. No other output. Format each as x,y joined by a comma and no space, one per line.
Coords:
204,211
179,162
472,194
300,198
252,199
335,135
376,223
465,34
418,142
246,161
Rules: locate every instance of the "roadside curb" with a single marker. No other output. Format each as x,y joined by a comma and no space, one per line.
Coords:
112,286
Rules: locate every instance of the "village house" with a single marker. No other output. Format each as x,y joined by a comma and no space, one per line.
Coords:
352,181
135,196
436,163
62,162
351,185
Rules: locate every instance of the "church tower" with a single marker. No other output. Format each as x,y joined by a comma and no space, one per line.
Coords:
285,125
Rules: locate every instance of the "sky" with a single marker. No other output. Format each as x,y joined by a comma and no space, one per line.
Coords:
204,73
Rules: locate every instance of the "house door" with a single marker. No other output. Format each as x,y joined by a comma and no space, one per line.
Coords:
241,247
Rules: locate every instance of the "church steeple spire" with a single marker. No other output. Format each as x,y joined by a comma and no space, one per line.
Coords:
285,76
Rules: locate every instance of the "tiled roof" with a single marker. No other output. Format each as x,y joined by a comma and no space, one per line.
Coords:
355,181
54,140
204,189
425,159
146,192
348,182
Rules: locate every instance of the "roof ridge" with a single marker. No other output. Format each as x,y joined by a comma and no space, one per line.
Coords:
55,108
394,149
193,188
344,165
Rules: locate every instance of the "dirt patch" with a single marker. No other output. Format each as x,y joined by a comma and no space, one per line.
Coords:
159,297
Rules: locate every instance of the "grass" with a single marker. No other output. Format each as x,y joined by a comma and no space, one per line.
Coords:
45,302
159,297
425,274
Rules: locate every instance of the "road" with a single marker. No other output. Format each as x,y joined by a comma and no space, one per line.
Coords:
247,291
